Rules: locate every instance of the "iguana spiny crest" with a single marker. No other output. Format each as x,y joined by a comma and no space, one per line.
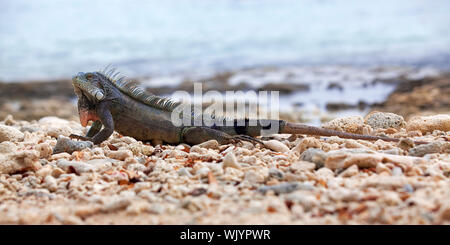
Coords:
92,85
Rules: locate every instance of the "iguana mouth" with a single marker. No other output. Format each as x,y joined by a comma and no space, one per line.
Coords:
86,116
81,82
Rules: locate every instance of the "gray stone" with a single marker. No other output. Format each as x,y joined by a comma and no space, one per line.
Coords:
281,188
65,144
275,173
422,150
315,155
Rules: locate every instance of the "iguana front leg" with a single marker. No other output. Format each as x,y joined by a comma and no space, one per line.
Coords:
95,128
196,135
94,134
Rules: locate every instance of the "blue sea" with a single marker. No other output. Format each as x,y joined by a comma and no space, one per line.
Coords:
49,39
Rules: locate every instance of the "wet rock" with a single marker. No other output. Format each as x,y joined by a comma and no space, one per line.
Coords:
8,133
339,106
284,88
276,145
422,150
230,161
352,124
314,155
335,85
68,145
385,120
429,123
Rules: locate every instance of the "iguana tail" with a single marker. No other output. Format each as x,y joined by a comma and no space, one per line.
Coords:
253,127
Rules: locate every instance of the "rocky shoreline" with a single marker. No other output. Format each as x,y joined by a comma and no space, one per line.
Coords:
420,97
413,93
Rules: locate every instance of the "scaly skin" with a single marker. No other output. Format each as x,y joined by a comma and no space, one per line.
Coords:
101,101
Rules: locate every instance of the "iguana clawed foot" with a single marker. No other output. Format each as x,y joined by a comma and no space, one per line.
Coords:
247,138
84,138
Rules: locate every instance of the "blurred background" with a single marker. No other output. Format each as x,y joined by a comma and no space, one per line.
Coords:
327,58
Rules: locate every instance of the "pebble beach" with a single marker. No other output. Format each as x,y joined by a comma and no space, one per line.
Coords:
47,178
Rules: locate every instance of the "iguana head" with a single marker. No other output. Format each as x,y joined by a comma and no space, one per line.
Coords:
88,88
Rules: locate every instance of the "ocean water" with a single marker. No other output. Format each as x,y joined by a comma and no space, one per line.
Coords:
49,39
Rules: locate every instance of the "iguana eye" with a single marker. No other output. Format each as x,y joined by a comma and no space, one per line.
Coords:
89,76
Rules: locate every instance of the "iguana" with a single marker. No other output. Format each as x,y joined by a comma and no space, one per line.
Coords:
121,105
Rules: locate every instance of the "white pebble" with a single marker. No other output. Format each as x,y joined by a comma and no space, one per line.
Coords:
230,161
276,145
50,183
8,133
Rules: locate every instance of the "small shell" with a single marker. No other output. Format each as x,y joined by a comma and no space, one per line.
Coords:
276,145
